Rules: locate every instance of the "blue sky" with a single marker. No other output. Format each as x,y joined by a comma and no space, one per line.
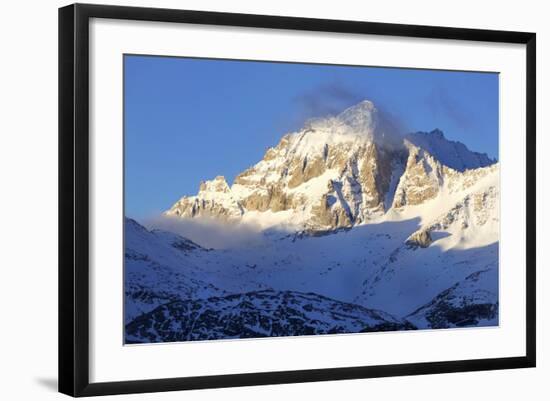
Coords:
188,120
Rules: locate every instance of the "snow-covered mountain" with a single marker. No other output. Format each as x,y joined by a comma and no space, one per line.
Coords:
336,172
265,313
361,229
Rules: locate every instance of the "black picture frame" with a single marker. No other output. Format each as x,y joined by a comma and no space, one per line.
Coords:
74,198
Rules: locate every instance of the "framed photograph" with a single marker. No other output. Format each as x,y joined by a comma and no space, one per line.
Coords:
249,199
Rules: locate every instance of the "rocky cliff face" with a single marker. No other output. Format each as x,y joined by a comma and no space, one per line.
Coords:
213,200
336,172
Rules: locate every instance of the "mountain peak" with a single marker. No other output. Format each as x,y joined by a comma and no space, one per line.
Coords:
361,117
218,184
362,122
364,107
437,133
453,154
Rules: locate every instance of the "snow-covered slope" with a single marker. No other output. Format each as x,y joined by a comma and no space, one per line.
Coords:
159,269
470,302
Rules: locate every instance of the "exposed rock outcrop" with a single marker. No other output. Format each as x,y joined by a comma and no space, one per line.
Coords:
421,238
213,200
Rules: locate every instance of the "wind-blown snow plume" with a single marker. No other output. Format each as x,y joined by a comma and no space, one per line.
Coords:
326,100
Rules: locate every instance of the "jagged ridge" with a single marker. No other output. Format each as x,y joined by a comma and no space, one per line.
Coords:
257,314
